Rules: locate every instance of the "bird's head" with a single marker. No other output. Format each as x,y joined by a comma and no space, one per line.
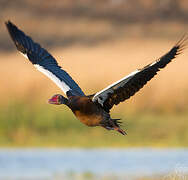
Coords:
58,99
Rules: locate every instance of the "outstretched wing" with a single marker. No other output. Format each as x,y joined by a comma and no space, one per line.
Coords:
43,61
129,85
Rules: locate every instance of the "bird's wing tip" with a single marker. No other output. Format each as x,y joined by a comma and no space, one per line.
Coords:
183,41
10,26
8,22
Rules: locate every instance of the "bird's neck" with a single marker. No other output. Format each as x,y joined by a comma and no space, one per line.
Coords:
64,100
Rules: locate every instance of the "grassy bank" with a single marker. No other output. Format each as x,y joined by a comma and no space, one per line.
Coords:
90,176
29,124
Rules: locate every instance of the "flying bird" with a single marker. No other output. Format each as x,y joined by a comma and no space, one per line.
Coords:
91,110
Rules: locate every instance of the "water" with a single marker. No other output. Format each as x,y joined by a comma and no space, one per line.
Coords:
50,164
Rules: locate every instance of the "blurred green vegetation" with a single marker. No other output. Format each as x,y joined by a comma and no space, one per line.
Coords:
172,176
90,176
24,123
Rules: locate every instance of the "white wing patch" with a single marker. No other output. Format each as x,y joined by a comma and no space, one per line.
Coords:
25,55
110,88
153,63
64,87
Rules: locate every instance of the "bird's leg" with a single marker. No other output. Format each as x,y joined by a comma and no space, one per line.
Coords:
113,124
120,130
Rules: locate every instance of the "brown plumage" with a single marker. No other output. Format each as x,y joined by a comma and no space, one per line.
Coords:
92,110
89,113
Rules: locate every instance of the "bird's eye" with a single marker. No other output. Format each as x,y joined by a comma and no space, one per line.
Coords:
100,98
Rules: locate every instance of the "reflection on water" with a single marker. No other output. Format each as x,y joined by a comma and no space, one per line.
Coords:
63,163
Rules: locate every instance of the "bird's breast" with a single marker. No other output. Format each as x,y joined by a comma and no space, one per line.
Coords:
86,111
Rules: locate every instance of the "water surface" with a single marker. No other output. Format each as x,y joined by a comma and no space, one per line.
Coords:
58,163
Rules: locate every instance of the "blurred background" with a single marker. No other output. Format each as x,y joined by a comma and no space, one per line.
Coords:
96,42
